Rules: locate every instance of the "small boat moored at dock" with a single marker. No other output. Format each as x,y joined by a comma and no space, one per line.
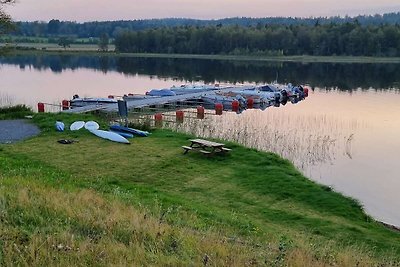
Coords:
77,101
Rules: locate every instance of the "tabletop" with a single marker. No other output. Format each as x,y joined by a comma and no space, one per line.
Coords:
206,143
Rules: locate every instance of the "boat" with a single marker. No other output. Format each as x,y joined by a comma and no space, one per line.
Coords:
160,92
77,101
260,96
126,135
193,88
129,130
225,100
110,136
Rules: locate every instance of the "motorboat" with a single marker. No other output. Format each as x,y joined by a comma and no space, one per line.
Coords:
77,101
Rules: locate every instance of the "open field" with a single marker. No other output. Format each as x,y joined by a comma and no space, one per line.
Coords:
101,203
55,47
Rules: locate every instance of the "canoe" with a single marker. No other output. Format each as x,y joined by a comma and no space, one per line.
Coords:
126,135
129,130
110,136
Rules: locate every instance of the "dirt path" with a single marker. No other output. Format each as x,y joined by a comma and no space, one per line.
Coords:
15,130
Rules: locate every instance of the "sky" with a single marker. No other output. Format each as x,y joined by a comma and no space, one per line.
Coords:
90,10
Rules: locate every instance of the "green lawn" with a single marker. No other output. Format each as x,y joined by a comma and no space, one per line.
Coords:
97,202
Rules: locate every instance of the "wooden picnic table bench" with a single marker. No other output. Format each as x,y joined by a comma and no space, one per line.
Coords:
206,147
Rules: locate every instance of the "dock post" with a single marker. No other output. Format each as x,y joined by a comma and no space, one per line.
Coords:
158,119
219,108
40,107
179,116
123,111
65,104
200,112
250,102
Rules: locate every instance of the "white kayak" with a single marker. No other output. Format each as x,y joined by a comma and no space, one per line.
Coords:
110,136
91,125
77,125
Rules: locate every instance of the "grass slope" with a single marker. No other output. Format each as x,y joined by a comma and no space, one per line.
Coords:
100,203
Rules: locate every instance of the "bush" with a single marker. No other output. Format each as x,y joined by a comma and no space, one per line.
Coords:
15,112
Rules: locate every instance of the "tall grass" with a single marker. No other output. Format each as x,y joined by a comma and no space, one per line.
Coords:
15,112
304,140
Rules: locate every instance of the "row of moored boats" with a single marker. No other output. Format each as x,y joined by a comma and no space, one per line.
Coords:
262,95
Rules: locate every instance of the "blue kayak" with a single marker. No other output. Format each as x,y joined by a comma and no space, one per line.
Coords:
129,130
126,135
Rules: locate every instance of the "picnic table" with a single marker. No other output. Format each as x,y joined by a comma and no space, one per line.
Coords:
206,147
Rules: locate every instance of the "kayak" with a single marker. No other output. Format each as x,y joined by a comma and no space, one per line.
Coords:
129,130
110,136
126,135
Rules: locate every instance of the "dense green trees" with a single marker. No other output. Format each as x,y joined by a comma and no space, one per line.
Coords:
65,42
377,35
103,42
320,40
5,19
113,28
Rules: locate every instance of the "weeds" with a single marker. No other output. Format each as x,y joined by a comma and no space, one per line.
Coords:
15,112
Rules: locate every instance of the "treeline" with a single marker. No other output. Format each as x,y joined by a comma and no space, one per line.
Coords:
320,40
113,28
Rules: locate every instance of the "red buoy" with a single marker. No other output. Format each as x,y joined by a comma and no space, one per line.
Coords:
305,91
65,104
250,102
219,108
40,107
111,96
200,112
179,116
235,105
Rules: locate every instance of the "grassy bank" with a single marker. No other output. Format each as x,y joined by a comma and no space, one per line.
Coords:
92,50
100,203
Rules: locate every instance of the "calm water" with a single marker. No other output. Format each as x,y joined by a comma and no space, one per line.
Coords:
346,134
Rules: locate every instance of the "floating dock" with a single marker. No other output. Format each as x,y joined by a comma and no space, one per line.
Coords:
152,101
266,95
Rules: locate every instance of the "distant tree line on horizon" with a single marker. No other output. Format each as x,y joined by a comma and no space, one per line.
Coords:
350,39
377,35
56,27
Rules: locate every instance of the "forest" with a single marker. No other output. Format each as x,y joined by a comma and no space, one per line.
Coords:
56,27
377,35
347,39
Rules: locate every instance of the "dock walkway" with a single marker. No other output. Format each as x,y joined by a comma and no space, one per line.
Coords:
140,103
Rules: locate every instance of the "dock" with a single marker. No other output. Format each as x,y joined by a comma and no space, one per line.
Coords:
151,101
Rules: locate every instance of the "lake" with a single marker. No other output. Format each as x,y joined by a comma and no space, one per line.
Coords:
344,135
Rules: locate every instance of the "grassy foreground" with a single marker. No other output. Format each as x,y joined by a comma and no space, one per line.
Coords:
97,202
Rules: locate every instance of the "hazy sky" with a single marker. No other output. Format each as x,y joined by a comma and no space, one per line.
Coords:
88,10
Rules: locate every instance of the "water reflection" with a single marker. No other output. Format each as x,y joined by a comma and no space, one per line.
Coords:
342,76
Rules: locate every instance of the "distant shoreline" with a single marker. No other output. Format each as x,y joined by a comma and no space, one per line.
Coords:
91,51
